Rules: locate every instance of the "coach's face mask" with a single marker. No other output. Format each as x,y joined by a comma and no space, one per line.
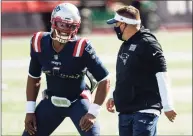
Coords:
118,32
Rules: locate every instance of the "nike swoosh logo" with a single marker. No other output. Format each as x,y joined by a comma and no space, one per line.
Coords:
155,53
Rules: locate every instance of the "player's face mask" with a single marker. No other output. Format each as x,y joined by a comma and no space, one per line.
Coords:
64,30
119,32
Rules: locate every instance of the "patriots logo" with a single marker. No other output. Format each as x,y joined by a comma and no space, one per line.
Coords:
91,51
57,9
124,57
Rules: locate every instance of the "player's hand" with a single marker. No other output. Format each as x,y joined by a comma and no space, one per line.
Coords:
30,123
171,115
110,105
87,121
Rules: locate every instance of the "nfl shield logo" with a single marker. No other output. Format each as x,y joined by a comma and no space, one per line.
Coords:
56,57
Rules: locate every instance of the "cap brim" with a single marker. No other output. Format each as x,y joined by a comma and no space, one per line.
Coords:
111,21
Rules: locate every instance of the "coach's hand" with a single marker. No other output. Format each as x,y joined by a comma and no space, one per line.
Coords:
30,123
110,105
171,115
87,121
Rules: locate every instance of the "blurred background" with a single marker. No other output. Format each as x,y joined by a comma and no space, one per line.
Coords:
170,21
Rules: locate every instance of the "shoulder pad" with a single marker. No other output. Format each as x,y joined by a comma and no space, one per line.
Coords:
36,41
79,47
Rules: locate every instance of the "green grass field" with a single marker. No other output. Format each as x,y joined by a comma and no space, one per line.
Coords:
177,48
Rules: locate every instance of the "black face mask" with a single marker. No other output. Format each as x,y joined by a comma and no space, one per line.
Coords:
119,33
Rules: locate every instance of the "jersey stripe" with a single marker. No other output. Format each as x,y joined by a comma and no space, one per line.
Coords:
82,48
36,43
76,46
80,45
79,48
33,40
39,41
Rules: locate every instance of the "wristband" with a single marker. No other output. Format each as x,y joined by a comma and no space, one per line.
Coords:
30,106
94,109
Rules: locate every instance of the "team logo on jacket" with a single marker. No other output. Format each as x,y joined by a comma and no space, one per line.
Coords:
124,57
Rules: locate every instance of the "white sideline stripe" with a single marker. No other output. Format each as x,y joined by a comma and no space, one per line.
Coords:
15,63
4,86
107,59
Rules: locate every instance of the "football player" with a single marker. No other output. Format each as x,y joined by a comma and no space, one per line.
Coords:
64,57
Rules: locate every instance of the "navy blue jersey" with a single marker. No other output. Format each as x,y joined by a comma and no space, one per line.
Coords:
64,70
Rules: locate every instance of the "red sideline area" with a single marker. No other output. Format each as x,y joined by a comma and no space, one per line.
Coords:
39,6
32,6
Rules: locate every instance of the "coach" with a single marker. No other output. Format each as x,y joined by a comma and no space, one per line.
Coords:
142,89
